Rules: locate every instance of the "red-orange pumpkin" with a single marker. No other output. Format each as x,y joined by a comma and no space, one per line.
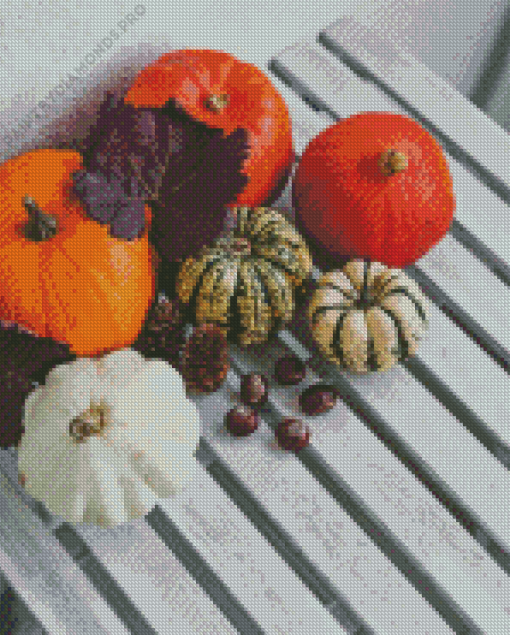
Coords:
223,92
375,185
62,275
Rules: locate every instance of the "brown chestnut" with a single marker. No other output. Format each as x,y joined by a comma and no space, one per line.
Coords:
292,434
289,370
241,421
318,398
254,389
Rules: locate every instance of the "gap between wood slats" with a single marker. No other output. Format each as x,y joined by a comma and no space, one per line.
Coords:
494,65
270,529
487,437
100,577
77,548
375,529
180,546
491,260
461,318
278,538
337,606
79,551
81,555
499,448
470,521
457,151
16,617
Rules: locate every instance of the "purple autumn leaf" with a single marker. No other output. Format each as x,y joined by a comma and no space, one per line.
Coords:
25,360
105,201
188,172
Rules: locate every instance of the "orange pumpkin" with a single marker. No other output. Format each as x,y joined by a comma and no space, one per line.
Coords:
223,92
62,275
375,185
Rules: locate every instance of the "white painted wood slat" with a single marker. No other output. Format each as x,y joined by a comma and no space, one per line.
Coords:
407,508
453,356
375,587
433,432
433,97
168,596
44,575
145,568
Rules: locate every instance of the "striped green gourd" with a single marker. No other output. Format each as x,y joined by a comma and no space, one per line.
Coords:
246,282
367,317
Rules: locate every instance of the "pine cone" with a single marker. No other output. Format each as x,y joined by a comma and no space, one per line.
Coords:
163,334
205,361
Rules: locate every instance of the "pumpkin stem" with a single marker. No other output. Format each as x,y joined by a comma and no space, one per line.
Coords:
392,162
40,226
86,424
217,102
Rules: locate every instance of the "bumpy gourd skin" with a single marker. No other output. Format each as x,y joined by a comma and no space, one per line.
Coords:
248,282
105,438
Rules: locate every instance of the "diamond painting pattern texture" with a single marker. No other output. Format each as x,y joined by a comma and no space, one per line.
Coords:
391,518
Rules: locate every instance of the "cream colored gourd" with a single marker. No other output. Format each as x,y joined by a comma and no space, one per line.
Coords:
367,317
106,437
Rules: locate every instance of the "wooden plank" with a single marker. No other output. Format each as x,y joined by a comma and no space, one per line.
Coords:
449,265
44,576
154,579
317,72
423,28
405,506
148,571
325,533
436,101
406,400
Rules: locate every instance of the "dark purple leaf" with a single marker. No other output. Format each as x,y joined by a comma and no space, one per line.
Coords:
106,202
25,360
129,221
187,171
101,198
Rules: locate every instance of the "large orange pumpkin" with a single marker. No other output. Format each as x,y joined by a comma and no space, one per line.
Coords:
62,275
221,91
375,185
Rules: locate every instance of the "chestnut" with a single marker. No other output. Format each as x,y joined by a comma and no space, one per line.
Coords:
292,434
241,421
289,370
318,398
254,388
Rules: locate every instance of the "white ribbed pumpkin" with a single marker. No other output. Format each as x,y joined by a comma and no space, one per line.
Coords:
106,437
367,317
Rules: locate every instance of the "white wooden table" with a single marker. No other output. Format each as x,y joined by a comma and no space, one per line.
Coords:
395,519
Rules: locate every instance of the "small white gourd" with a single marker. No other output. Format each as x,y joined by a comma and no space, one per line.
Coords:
106,437
367,317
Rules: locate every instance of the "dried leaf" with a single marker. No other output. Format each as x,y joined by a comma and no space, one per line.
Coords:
186,170
25,360
106,202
